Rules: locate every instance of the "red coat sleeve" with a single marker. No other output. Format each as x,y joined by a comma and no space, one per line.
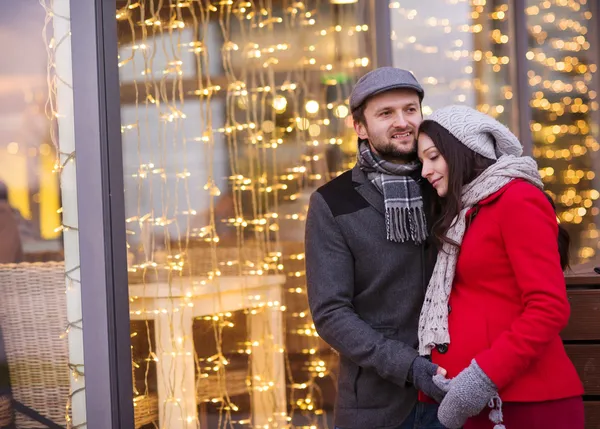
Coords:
529,230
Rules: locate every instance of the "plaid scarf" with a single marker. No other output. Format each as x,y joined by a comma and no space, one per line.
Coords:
404,214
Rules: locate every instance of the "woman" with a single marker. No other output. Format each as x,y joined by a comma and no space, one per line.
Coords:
497,300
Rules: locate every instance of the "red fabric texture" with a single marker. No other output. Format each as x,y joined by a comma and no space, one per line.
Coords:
509,301
561,414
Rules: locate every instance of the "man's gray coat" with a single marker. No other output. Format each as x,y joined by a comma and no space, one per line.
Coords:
365,295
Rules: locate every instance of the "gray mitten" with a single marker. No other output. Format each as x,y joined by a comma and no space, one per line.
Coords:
468,394
421,375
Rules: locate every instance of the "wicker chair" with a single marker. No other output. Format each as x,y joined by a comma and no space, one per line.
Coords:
212,386
33,319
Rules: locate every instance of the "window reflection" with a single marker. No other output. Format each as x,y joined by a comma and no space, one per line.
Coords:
562,70
26,153
463,51
459,50
232,114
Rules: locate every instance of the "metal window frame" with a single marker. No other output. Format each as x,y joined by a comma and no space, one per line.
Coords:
101,211
521,89
381,23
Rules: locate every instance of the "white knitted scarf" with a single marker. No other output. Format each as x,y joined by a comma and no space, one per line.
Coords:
433,323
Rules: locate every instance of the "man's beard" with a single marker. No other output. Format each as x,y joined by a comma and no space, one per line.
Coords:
388,151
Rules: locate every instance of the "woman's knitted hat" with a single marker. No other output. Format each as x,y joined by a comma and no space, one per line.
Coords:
479,132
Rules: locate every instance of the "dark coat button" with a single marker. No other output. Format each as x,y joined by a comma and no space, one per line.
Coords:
442,348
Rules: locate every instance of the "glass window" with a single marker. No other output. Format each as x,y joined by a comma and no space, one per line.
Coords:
460,51
232,114
562,71
41,344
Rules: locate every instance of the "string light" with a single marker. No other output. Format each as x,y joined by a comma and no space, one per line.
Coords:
564,133
58,61
185,235
454,44
264,115
475,49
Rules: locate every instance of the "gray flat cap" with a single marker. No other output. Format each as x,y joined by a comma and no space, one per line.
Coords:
381,80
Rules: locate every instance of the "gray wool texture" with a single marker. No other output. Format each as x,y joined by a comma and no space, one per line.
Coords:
380,80
467,395
477,131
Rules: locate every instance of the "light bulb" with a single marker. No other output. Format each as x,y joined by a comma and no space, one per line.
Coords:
312,107
279,103
341,111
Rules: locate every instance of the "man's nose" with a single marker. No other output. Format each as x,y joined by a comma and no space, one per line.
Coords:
400,121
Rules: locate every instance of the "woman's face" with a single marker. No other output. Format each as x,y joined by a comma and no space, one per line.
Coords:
435,168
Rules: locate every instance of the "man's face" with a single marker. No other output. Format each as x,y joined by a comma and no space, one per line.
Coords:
392,120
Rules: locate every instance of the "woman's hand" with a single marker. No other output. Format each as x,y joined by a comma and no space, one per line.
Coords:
467,394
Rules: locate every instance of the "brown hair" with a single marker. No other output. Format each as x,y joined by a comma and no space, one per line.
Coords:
464,165
359,114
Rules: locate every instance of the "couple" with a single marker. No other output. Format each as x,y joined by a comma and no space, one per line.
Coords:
470,339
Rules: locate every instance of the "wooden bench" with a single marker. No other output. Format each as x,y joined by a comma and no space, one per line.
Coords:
582,335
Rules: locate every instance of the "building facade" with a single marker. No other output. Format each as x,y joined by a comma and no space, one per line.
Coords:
159,156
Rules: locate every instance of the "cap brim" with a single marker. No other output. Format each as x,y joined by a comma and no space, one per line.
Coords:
416,88
398,86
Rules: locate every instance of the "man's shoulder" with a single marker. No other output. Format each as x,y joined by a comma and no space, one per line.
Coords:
341,196
341,183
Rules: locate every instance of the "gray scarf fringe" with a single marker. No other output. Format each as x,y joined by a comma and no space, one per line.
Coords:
406,223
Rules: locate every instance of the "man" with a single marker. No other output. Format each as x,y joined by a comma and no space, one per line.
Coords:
368,262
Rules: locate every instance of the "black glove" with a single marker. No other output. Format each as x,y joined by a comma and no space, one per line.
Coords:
421,375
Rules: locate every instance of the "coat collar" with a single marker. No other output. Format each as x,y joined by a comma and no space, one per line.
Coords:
498,193
488,200
367,190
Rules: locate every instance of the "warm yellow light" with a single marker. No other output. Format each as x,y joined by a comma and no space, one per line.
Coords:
302,123
341,111
268,126
312,107
314,130
12,148
279,103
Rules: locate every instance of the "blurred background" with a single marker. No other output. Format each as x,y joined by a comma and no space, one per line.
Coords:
232,113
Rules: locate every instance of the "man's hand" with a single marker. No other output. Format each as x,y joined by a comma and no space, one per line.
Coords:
421,375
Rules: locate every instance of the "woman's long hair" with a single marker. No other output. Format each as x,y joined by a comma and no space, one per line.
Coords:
464,165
